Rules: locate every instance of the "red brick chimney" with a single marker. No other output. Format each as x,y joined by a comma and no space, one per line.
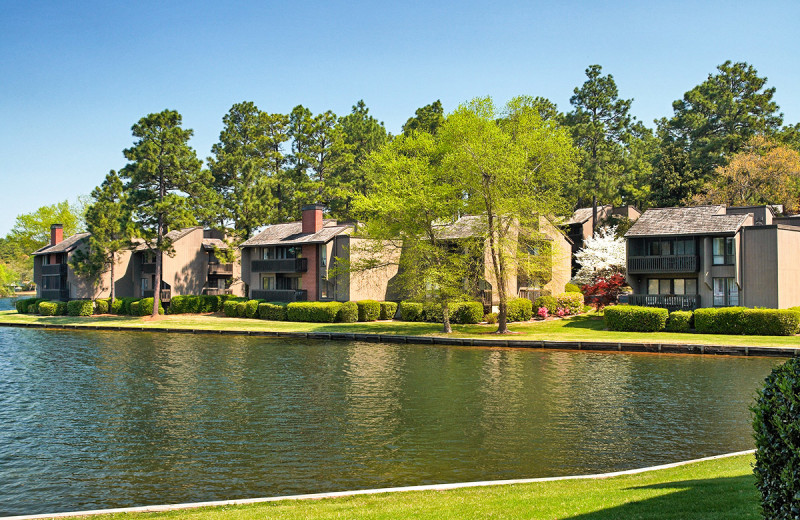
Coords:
56,234
312,218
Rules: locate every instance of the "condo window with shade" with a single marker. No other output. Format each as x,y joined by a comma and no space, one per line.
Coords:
723,250
726,292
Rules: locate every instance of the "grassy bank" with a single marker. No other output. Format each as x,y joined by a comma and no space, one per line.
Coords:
709,490
580,328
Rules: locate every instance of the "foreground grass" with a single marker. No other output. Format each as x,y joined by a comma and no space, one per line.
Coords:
710,490
579,328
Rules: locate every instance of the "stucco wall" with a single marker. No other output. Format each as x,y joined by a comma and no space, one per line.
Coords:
561,257
187,270
375,283
760,267
788,283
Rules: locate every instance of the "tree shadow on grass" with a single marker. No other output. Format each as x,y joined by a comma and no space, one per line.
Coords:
707,499
585,322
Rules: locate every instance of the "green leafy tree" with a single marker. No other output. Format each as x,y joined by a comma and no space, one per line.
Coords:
710,125
7,279
411,196
108,222
167,188
510,167
426,119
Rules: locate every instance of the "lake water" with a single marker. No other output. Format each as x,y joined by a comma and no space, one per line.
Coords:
108,419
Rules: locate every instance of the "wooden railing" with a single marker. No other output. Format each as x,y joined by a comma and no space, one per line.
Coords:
166,294
220,269
51,269
663,264
216,292
279,295
149,268
288,265
668,301
55,294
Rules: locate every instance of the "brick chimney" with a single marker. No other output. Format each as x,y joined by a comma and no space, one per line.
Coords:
312,218
56,234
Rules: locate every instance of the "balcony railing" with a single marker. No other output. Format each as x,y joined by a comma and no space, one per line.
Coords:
220,269
52,269
288,265
668,301
166,294
55,294
216,292
279,295
149,268
663,264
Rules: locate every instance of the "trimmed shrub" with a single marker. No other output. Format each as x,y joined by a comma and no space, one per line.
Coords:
33,306
521,309
776,427
101,306
466,312
724,320
22,304
433,312
632,318
179,304
231,308
125,305
548,302
680,321
146,307
48,308
571,301
368,310
241,309
133,308
739,320
571,287
388,310
272,311
80,307
209,303
315,312
348,313
61,309
251,308
490,318
116,306
411,311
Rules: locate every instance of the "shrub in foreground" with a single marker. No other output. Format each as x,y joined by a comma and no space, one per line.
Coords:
467,312
101,306
272,311
521,309
571,287
347,313
368,310
571,302
133,308
776,426
724,320
410,311
146,307
22,304
548,302
679,321
740,320
631,318
314,312
388,310
48,308
230,308
251,308
80,307
33,306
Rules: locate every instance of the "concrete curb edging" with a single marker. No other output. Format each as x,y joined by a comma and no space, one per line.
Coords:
594,346
336,494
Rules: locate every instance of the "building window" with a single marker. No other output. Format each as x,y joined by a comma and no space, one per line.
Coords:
145,284
51,283
268,283
323,255
723,250
679,286
726,292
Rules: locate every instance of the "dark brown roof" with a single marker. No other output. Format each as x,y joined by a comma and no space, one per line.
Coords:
65,246
581,215
210,244
291,234
698,220
173,236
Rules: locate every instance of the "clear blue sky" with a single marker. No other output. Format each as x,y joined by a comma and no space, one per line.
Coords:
74,78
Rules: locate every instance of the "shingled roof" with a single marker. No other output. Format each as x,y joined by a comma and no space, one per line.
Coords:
581,215
65,246
465,227
172,236
697,220
291,234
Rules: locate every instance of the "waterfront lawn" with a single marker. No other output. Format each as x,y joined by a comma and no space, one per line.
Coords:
579,328
708,490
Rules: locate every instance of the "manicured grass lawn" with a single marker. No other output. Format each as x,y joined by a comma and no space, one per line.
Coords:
580,328
709,490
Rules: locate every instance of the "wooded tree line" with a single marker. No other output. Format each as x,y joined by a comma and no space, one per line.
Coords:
726,141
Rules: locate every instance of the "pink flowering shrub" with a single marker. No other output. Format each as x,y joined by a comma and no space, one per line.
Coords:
562,312
542,313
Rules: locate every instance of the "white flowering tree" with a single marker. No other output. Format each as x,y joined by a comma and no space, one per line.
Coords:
601,256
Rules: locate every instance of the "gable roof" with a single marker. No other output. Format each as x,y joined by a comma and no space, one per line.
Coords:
65,246
465,227
581,215
291,234
173,236
697,220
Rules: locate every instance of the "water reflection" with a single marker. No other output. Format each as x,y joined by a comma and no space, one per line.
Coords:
100,419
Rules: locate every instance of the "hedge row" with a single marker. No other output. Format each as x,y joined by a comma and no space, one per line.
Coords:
723,320
197,304
460,312
632,318
317,312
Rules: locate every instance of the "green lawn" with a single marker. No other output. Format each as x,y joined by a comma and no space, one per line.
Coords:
709,490
580,328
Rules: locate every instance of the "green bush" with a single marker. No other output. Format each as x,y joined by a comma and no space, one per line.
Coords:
62,309
467,312
80,307
231,308
348,313
251,308
179,304
776,426
411,311
571,287
272,311
314,312
146,307
679,321
22,305
33,305
740,320
241,309
101,306
116,306
133,308
209,303
548,302
571,301
490,318
388,310
521,309
631,318
433,313
125,305
48,308
368,310
724,320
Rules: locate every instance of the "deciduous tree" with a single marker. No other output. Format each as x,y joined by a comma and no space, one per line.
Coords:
426,119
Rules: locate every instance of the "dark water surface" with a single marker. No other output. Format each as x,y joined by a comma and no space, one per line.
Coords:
110,419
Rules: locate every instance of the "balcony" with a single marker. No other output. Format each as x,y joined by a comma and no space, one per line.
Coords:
220,269
668,301
216,292
288,265
166,294
279,295
52,269
149,268
55,294
663,264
